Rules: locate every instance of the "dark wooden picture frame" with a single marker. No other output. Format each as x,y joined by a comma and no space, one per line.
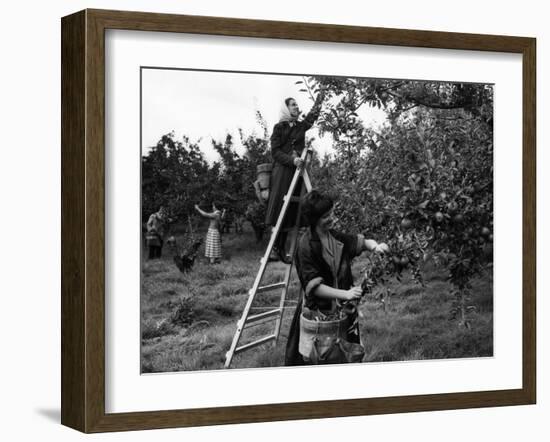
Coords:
83,220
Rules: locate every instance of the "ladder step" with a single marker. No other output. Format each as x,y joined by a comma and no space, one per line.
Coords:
294,199
260,322
263,315
266,288
255,343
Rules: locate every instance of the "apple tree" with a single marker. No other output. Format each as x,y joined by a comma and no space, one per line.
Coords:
423,181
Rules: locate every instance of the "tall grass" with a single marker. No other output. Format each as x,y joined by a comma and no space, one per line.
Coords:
188,321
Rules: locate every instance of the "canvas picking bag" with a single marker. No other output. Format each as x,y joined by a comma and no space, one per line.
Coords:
325,342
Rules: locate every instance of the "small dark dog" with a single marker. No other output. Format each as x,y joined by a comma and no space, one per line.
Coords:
185,259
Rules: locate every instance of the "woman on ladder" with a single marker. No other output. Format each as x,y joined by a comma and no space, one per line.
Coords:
287,143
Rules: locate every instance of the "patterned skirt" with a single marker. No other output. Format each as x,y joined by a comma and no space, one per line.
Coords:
213,247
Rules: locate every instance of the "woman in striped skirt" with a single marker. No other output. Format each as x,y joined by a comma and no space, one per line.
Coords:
213,249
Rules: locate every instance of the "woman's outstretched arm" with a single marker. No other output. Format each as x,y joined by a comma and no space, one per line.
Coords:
205,214
313,114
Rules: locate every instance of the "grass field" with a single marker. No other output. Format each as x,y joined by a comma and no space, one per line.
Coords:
188,321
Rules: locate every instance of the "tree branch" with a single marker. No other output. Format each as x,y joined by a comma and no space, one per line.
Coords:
431,105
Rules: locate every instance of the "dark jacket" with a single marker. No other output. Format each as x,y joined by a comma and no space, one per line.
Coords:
313,270
286,143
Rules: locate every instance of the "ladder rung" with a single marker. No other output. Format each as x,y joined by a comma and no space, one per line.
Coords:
263,315
266,288
260,322
294,199
256,308
255,343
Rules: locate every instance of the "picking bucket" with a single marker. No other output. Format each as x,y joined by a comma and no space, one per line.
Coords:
263,173
325,342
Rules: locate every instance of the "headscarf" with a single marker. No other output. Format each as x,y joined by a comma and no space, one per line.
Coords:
284,115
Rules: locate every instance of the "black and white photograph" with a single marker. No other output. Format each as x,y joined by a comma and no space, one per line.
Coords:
306,219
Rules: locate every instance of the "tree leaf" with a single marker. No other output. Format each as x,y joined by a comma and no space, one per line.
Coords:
424,204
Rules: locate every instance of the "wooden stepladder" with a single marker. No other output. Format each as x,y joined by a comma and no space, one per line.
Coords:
275,314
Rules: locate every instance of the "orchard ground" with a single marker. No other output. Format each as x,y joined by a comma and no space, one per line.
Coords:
188,320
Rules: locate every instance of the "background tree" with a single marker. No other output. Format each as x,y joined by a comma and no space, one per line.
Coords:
176,175
173,174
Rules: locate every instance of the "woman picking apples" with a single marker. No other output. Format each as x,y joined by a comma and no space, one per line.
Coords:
323,263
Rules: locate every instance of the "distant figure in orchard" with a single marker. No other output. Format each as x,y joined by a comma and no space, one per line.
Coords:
287,144
213,248
325,327
156,229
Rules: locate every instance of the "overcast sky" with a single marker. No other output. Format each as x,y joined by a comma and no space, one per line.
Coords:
208,105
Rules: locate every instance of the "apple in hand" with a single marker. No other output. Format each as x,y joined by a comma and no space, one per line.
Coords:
382,248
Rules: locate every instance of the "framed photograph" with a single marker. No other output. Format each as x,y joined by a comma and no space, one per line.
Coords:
267,220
